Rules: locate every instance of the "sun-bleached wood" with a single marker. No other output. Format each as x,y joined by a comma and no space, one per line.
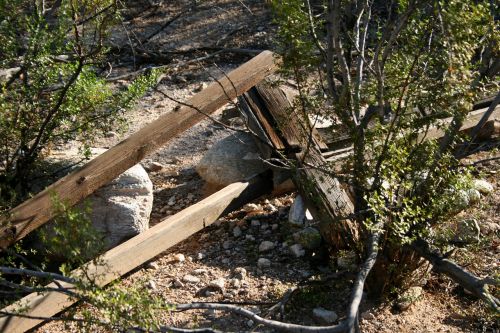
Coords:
36,211
137,250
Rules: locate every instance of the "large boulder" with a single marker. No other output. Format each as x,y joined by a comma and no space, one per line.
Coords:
120,209
231,160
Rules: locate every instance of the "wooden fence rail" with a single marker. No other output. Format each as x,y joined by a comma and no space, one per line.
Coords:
36,211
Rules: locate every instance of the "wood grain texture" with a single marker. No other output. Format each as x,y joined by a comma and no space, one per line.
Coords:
136,251
323,193
76,186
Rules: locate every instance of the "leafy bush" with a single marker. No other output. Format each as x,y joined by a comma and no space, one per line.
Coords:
51,89
384,72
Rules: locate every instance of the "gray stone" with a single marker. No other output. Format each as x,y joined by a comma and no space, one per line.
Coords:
223,164
297,213
297,250
219,283
266,246
309,238
190,279
474,196
324,316
483,186
263,263
237,232
121,209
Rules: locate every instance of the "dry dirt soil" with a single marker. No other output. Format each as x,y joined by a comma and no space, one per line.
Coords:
182,33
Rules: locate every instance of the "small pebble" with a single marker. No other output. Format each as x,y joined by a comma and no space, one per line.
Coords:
179,257
266,246
152,265
190,279
237,231
263,263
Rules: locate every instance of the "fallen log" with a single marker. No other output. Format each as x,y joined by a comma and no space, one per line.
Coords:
36,211
137,250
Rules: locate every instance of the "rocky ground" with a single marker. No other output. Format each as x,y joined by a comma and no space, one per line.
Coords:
251,257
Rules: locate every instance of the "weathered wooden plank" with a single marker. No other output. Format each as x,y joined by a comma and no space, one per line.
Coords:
257,110
323,193
489,129
137,250
76,186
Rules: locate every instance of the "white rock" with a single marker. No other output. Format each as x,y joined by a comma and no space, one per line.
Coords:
121,209
325,316
297,212
237,231
250,323
474,196
235,283
263,263
266,246
251,207
219,283
190,279
297,250
200,256
483,186
179,257
240,273
309,217
152,265
200,271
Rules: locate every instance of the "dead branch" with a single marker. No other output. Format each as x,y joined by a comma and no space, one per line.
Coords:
474,284
32,273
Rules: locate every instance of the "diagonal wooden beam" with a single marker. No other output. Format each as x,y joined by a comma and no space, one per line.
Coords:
36,211
137,250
